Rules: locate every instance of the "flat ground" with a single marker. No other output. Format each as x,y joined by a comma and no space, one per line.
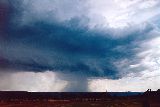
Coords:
65,103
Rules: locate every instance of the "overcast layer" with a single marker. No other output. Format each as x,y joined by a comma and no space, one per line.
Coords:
80,45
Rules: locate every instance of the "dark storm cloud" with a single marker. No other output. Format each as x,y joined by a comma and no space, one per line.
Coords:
43,46
68,46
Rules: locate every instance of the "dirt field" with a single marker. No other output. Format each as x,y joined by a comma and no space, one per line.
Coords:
109,103
41,99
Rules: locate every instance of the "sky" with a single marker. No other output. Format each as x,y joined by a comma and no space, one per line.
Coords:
79,45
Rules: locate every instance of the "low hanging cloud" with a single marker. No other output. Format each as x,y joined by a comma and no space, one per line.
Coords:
90,39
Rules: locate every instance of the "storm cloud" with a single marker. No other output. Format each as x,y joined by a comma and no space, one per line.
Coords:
89,39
